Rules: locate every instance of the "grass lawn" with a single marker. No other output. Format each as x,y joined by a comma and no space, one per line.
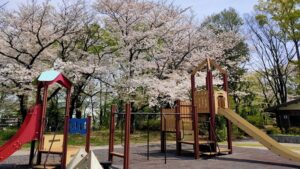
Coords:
98,138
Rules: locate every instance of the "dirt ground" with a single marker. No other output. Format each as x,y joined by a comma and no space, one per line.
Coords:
242,158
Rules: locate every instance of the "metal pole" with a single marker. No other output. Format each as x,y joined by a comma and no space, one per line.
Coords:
162,132
111,132
31,152
88,134
66,128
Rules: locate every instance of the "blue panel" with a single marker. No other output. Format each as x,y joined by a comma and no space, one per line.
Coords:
77,126
48,75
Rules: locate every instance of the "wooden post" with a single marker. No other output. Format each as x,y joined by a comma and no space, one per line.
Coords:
177,127
111,132
195,118
66,129
88,133
43,123
228,123
211,107
127,136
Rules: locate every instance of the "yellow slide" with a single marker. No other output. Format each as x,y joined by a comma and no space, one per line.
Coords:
259,135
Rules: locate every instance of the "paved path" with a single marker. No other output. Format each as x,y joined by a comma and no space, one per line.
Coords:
242,158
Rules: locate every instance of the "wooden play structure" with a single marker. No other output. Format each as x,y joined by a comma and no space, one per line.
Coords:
33,127
204,106
185,119
196,118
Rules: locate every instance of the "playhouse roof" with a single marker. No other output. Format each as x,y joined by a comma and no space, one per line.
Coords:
51,76
291,105
209,63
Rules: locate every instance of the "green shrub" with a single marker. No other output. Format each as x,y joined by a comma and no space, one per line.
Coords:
294,130
221,134
237,133
154,124
7,134
256,120
273,130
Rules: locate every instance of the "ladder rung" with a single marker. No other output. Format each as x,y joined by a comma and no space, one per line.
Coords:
117,154
224,150
45,167
209,153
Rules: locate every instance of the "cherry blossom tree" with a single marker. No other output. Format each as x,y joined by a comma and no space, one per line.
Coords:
159,44
28,38
141,51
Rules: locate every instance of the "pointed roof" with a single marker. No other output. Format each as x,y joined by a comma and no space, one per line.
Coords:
48,75
209,63
51,76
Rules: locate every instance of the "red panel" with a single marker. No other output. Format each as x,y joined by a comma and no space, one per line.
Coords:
29,131
62,80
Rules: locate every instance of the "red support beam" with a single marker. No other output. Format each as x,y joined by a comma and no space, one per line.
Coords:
228,123
195,118
127,136
177,127
211,107
43,123
88,133
37,101
111,132
66,129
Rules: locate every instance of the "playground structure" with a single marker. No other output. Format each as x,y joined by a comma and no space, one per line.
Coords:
211,102
197,117
33,127
193,123
182,119
188,117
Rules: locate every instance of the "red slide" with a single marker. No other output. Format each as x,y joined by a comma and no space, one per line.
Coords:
29,131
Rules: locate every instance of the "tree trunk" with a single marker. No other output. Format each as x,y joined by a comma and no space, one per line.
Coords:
100,106
76,100
105,104
237,104
22,106
298,62
132,120
297,53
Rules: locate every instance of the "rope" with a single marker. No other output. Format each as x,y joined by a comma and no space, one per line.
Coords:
53,138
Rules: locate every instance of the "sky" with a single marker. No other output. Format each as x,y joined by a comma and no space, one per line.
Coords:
201,8
204,8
